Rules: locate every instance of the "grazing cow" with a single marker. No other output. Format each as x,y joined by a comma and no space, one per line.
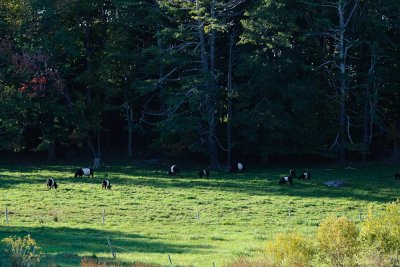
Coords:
106,184
51,183
288,179
174,170
238,167
305,175
397,176
84,171
204,172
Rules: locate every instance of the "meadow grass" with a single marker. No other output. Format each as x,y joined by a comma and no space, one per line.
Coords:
150,215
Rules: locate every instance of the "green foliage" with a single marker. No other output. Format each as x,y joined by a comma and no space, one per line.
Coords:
381,229
291,250
156,58
340,243
264,24
24,251
337,240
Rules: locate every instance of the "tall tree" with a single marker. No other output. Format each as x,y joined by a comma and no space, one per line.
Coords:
194,39
280,114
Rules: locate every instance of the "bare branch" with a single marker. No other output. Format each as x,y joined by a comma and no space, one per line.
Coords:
162,79
351,13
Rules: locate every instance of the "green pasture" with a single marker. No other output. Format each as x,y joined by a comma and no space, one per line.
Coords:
197,222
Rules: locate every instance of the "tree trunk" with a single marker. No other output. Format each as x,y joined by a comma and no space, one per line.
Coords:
213,92
89,144
343,86
160,65
130,130
229,104
98,145
51,151
88,64
369,106
209,91
366,127
396,150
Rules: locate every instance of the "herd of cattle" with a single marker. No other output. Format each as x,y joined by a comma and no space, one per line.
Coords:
174,170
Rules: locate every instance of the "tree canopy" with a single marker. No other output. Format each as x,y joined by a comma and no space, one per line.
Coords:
213,77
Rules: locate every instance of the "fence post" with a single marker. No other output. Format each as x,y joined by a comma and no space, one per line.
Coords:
112,251
6,215
103,217
170,260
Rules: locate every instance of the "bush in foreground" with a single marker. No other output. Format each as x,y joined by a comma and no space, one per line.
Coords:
290,250
338,243
24,251
380,234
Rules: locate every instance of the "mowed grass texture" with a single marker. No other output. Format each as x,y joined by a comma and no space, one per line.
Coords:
197,222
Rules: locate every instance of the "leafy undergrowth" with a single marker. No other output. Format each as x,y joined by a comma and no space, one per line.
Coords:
337,243
157,219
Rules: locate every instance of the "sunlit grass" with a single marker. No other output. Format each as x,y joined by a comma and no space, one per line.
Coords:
150,215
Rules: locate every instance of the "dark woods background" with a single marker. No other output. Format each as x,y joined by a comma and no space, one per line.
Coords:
216,80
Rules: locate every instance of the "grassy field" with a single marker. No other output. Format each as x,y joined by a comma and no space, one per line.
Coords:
150,215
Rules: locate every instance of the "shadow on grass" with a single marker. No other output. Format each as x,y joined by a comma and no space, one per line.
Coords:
78,242
362,187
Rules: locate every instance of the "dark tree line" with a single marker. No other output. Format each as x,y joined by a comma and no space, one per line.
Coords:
217,77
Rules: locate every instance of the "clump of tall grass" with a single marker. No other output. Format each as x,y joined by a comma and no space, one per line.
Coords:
94,262
243,262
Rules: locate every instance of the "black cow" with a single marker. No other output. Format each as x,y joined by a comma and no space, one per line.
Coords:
288,179
204,172
237,167
106,184
174,170
84,171
51,183
305,175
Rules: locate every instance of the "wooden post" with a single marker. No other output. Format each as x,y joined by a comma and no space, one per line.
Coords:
198,216
290,212
360,215
112,251
6,215
170,260
213,264
103,217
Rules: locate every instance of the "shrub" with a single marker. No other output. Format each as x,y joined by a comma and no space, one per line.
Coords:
24,251
382,231
290,250
369,257
337,241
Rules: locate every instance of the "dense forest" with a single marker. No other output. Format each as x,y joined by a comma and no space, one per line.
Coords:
217,78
